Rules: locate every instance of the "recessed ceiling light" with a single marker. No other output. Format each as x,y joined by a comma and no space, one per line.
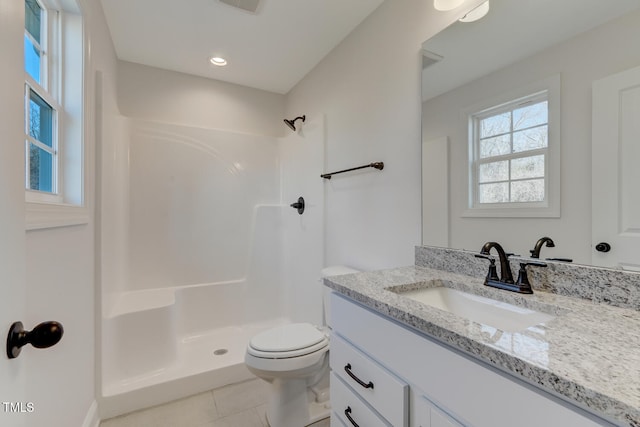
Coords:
220,62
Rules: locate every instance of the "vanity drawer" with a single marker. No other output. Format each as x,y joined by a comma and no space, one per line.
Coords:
346,404
385,392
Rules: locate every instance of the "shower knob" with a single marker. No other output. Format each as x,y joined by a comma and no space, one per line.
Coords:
299,205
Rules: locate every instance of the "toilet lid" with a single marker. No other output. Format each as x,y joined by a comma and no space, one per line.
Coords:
290,337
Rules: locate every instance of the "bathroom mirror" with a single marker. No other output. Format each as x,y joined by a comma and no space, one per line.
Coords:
516,45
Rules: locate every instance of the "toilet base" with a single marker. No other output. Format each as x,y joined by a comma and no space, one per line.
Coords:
293,404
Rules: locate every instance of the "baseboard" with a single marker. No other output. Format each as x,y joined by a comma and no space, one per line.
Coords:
92,420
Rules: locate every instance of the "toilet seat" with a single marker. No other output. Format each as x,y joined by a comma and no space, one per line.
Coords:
287,341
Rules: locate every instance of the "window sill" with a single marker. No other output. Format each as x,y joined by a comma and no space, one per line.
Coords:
45,215
513,212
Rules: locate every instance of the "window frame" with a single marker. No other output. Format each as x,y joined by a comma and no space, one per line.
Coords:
49,91
551,206
67,62
478,160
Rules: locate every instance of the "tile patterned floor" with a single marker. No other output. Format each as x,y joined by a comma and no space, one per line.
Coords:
236,405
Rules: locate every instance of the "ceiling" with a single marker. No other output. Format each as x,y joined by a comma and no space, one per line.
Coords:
272,49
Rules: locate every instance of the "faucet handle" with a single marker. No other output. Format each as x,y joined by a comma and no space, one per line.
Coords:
493,271
523,279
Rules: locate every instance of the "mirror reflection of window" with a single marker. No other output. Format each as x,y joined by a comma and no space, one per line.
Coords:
510,147
513,152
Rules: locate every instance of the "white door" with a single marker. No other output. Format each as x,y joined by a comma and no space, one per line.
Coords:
616,171
12,234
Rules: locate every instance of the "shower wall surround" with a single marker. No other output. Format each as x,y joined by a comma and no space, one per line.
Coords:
192,202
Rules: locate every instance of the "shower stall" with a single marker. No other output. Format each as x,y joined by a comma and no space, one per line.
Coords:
199,250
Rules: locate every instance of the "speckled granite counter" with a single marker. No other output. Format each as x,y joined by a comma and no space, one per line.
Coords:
589,353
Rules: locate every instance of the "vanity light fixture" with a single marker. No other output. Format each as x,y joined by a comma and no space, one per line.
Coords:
476,13
444,5
216,60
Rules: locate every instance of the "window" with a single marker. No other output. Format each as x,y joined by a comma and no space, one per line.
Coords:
514,156
53,109
42,153
41,109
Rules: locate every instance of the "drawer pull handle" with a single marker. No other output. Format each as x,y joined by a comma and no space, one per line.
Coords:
347,369
347,413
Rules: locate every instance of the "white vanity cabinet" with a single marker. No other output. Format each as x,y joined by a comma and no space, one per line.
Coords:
427,384
380,390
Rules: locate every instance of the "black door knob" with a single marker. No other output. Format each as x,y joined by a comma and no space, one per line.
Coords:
43,335
603,247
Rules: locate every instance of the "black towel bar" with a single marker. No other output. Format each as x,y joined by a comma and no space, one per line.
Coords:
376,165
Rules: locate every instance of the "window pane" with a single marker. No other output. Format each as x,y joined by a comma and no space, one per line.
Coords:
40,169
32,18
528,167
493,193
496,171
530,139
531,115
40,119
495,125
496,146
31,59
527,191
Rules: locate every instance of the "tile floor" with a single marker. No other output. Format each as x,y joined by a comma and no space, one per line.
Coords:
236,405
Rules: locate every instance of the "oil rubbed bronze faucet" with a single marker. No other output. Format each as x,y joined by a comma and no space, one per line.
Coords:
535,252
505,281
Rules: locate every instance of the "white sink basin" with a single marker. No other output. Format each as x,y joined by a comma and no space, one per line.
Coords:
500,315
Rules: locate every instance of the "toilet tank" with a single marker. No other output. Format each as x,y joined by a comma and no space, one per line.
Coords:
334,270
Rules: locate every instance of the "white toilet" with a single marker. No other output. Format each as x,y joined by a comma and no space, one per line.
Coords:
294,360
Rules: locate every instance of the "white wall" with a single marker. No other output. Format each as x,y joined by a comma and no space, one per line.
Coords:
170,97
60,273
369,90
301,156
580,61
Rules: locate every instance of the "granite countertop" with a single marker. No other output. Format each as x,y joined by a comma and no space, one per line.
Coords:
589,352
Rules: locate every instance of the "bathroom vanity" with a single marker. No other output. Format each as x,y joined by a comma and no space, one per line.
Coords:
398,360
